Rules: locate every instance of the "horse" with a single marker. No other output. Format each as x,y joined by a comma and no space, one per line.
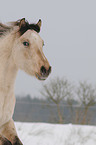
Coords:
21,47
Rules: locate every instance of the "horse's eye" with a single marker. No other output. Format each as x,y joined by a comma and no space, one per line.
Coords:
43,44
26,43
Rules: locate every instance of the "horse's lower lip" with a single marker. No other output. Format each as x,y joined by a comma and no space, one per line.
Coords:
40,77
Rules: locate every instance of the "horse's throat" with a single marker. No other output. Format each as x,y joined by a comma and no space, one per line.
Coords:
8,74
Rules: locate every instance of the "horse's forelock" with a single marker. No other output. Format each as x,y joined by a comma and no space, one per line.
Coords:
34,27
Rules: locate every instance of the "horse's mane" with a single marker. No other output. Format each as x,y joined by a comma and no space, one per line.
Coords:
5,28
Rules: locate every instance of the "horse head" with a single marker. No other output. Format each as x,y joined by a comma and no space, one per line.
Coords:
28,50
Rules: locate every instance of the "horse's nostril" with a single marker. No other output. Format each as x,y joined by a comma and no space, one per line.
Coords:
43,70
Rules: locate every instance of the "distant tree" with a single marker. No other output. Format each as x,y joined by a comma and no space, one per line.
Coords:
56,91
86,94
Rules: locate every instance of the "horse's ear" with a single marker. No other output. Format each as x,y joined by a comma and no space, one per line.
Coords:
22,23
39,23
23,26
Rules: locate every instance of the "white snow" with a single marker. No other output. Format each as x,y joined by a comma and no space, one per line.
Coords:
54,134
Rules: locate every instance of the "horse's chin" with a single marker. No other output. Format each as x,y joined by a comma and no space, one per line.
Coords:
42,78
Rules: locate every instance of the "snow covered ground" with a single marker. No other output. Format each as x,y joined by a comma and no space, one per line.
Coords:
53,134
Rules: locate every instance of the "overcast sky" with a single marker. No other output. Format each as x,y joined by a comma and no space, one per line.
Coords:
69,32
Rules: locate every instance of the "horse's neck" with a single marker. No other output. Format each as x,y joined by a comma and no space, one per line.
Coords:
8,68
